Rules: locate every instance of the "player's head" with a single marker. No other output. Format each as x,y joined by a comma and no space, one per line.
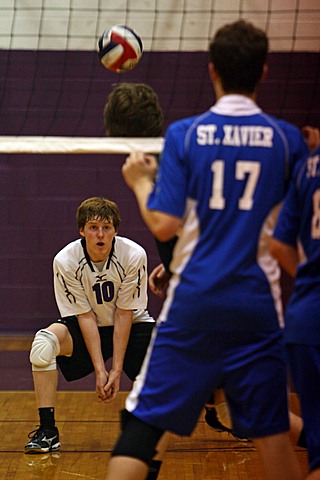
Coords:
238,52
97,208
133,110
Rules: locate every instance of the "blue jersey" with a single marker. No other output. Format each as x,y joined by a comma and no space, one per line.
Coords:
299,223
223,173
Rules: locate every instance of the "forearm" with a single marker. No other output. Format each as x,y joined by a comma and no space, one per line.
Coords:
286,255
121,334
142,190
163,226
139,172
90,333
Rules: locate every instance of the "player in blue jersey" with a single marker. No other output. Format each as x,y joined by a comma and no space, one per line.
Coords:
221,176
133,110
296,245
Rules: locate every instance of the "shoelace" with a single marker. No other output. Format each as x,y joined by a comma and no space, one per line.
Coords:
30,435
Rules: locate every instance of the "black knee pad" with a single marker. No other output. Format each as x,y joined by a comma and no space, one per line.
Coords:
138,439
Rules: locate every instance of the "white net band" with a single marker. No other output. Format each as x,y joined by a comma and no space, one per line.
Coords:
52,145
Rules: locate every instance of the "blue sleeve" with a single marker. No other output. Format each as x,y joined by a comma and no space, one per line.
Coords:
288,224
298,148
170,189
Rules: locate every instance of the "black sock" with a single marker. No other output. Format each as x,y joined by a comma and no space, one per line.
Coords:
46,417
154,469
302,439
210,402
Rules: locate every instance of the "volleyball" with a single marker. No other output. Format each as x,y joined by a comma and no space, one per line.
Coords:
120,48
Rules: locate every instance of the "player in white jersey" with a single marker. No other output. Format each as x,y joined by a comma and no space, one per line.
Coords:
220,176
100,285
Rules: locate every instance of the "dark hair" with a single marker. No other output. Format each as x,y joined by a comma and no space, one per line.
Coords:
133,110
238,52
98,208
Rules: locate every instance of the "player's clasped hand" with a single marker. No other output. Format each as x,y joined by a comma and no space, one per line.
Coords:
101,382
112,387
139,168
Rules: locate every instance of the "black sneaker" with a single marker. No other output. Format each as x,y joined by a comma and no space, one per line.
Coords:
212,420
43,441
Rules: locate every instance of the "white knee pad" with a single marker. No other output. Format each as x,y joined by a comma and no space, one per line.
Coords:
45,347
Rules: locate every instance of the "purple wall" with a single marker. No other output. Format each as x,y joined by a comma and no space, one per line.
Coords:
63,93
39,197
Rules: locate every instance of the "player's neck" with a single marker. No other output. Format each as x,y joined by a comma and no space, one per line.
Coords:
252,96
99,265
221,92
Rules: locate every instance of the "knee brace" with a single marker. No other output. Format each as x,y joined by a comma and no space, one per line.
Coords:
138,439
45,347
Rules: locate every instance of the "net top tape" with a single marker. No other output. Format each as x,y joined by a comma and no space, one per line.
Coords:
53,145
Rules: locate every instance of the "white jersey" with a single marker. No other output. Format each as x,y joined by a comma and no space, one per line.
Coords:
80,286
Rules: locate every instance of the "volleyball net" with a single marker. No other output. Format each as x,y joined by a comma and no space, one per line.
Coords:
78,145
52,83
166,25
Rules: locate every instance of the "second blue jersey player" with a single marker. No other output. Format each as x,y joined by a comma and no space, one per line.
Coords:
296,245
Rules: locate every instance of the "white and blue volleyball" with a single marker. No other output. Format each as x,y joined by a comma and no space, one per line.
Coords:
120,48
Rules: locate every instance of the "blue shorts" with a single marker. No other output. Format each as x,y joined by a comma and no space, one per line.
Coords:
183,367
305,371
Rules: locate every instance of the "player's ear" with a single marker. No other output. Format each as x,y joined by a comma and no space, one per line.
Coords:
81,231
212,72
264,72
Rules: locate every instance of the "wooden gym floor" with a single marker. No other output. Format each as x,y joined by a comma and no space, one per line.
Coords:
88,430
